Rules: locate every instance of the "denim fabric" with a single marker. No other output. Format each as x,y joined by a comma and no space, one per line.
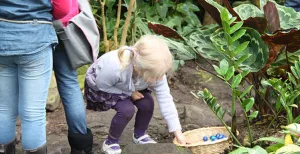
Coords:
26,9
69,91
20,39
295,4
24,82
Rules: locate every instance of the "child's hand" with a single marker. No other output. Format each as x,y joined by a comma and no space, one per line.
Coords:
180,138
136,96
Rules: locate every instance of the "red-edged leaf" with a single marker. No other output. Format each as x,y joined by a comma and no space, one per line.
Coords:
271,14
164,30
213,12
274,51
291,39
257,23
230,9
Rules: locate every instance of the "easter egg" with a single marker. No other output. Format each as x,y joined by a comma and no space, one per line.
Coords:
205,138
213,138
218,136
222,136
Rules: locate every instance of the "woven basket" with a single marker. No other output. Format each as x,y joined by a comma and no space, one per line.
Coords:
198,146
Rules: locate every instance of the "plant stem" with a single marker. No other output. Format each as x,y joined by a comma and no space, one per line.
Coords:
265,101
206,70
133,34
230,131
116,44
106,43
199,54
271,123
248,124
233,114
127,22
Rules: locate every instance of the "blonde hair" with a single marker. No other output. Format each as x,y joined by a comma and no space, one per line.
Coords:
150,55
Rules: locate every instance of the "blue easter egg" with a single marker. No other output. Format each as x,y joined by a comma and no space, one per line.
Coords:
213,138
222,136
218,136
205,138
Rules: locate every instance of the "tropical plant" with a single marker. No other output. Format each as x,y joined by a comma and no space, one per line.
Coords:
226,73
270,24
281,146
288,92
234,49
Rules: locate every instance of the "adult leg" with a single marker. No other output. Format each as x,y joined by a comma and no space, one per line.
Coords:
9,95
34,79
80,137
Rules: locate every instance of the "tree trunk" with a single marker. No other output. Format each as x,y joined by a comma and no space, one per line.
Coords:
116,43
133,31
106,43
127,22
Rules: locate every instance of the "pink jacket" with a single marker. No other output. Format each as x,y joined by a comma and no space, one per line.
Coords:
64,10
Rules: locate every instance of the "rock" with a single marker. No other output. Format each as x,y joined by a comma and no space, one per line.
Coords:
160,148
53,99
199,116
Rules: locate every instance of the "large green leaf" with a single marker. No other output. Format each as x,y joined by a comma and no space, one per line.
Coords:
253,115
218,6
200,40
162,10
141,27
246,11
248,104
229,73
174,22
281,59
224,66
180,50
257,49
274,147
236,80
288,149
177,63
289,18
188,9
272,139
255,150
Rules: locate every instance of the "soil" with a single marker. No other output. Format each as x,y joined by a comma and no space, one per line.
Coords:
194,113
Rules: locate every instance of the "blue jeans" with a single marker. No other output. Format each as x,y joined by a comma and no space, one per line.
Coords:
69,91
24,82
295,4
